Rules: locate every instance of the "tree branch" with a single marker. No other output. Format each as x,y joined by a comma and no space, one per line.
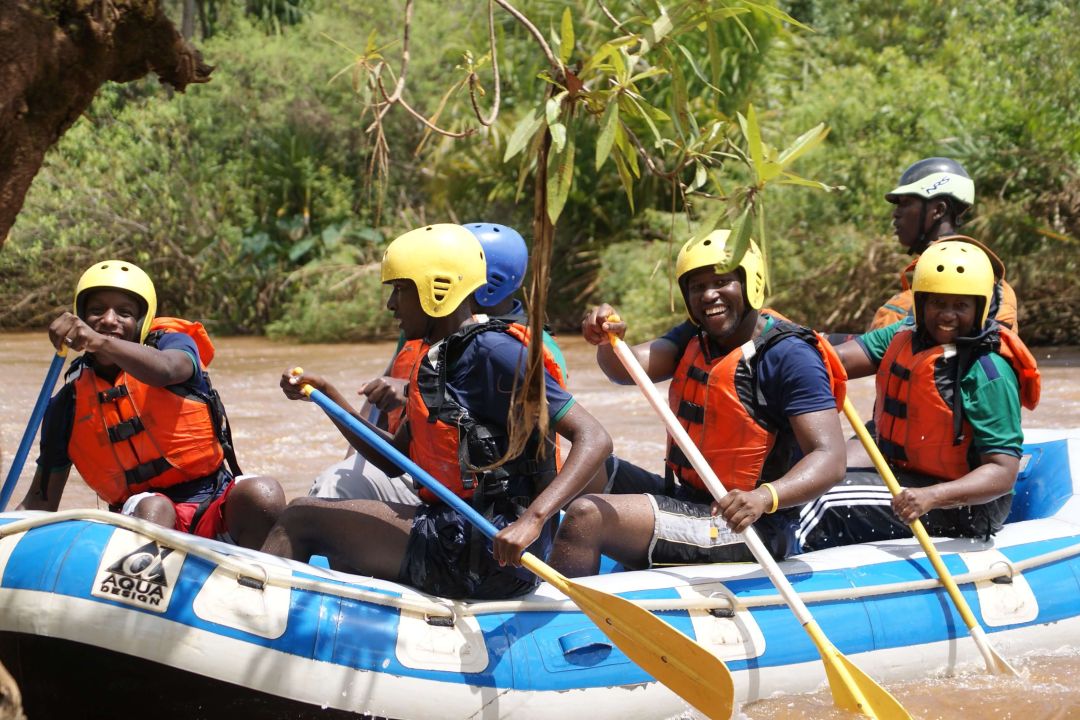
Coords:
474,81
552,60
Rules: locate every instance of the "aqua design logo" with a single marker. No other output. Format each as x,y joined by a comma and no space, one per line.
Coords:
143,576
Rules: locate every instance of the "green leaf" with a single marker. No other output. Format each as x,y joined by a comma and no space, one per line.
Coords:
738,241
697,70
560,176
558,136
629,152
553,107
724,13
779,15
752,133
792,179
526,128
803,144
625,177
680,102
608,124
301,248
709,222
651,72
656,32
701,176
566,37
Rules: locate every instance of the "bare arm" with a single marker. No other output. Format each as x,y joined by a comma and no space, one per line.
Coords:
821,466
992,479
856,360
157,368
590,446
658,357
291,385
45,492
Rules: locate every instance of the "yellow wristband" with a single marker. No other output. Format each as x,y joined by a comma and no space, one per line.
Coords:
775,498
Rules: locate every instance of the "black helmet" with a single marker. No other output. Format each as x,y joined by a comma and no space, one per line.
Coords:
935,177
930,178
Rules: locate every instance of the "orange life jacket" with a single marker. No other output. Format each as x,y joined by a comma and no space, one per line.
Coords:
129,437
403,367
718,402
448,442
913,413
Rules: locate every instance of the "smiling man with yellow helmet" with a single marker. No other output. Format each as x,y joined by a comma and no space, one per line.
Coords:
756,394
139,419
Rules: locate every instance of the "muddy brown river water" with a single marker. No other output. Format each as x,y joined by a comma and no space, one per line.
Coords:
293,441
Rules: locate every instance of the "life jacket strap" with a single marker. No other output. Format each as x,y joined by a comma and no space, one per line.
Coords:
892,450
124,430
147,471
677,457
698,374
900,371
691,412
895,407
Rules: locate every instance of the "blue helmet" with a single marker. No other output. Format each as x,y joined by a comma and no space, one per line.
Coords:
507,260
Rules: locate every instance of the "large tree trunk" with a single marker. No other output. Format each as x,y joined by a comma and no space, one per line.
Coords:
54,55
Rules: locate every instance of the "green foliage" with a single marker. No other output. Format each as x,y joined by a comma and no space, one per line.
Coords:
335,303
251,202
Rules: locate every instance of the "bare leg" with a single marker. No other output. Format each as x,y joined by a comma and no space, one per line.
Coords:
361,536
157,509
619,526
252,508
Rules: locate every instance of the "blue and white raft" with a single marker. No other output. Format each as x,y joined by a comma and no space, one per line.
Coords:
137,620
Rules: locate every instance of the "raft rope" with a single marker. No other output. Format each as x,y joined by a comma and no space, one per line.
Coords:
255,574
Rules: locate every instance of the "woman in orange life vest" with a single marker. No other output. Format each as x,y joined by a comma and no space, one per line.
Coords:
463,385
354,477
947,416
754,391
140,422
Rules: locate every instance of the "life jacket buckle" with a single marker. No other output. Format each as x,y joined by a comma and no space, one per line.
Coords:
113,394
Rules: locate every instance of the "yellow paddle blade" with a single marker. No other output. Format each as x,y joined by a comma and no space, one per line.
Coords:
852,689
685,667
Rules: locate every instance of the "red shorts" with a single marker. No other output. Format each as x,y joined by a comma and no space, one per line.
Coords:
212,523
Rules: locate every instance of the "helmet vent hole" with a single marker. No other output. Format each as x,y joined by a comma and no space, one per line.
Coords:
941,268
440,287
707,242
960,269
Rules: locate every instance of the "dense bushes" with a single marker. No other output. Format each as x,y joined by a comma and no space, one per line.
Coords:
249,199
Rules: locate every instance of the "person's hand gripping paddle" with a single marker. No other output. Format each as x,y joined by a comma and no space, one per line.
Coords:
852,689
689,670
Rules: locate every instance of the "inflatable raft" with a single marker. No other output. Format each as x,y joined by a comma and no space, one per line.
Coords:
107,616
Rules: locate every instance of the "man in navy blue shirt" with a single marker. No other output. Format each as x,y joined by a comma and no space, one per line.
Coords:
756,393
139,419
458,415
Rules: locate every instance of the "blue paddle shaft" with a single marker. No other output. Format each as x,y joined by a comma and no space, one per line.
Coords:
31,430
401,460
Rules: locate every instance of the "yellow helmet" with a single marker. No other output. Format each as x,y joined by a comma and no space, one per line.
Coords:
446,262
712,251
120,275
955,267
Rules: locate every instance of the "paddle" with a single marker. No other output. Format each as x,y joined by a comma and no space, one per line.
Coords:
31,428
692,672
852,689
995,663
